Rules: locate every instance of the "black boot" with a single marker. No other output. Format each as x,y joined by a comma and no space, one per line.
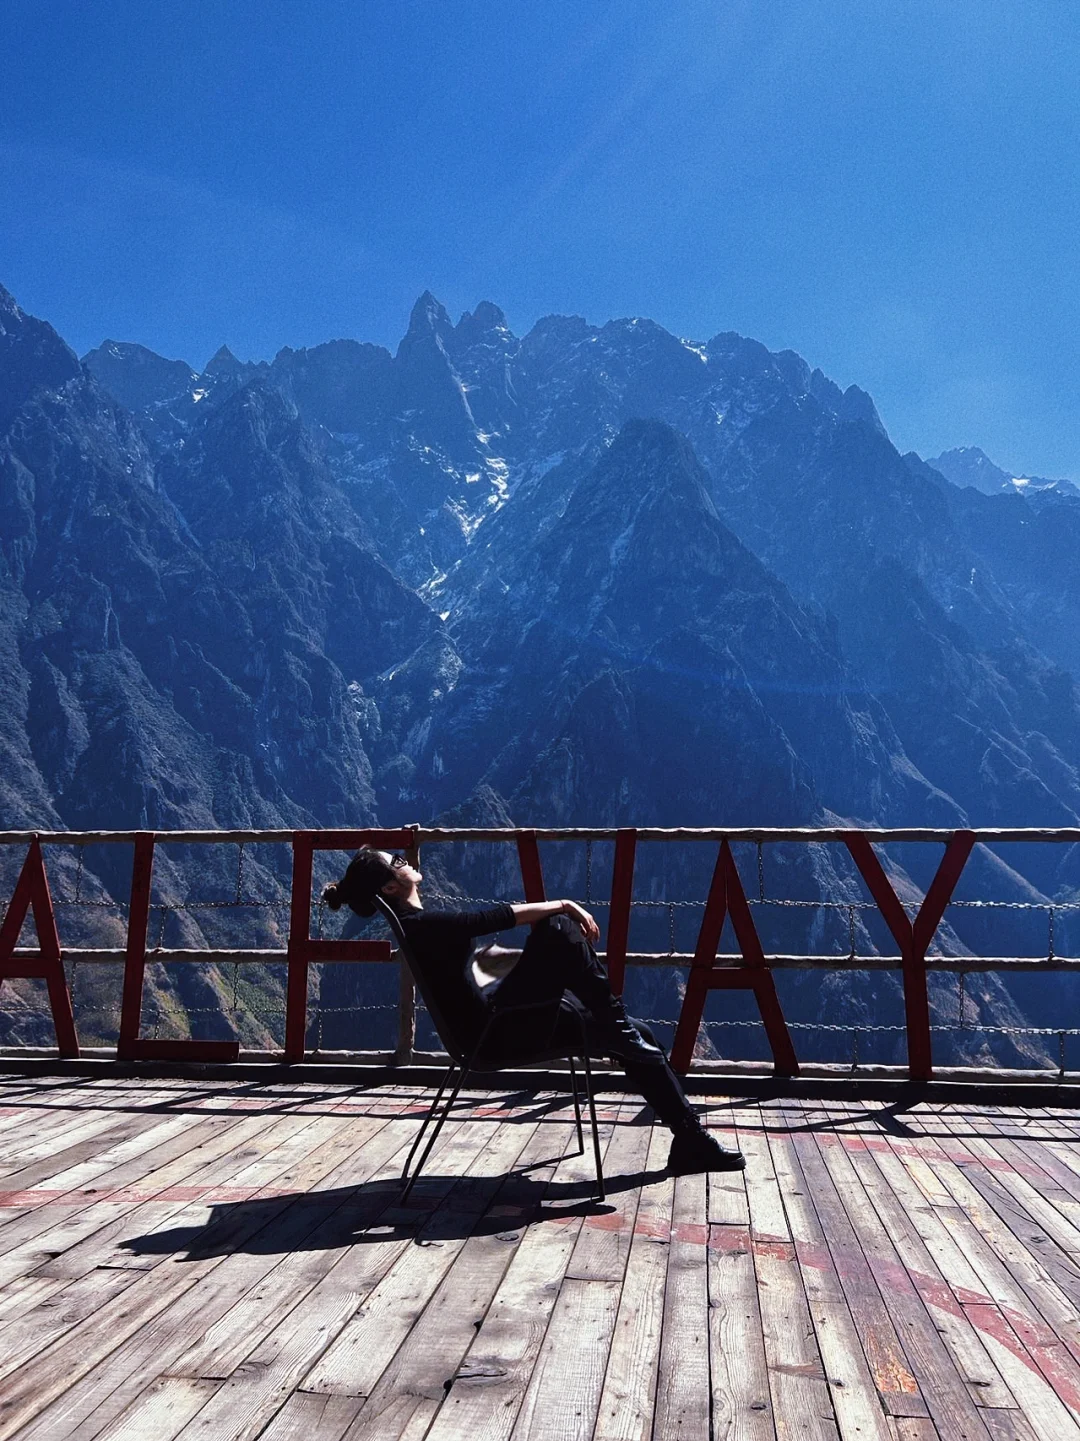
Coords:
693,1150
620,1037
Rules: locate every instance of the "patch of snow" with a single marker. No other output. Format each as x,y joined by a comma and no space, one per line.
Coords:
499,472
198,395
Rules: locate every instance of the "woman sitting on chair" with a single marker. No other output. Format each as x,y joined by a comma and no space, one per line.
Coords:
557,966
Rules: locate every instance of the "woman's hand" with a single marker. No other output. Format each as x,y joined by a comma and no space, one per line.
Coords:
581,917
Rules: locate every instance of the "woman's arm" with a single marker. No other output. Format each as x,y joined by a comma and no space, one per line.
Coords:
534,911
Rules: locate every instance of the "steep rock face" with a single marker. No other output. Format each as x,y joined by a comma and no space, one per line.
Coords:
317,609
32,358
137,377
1029,540
342,385
637,617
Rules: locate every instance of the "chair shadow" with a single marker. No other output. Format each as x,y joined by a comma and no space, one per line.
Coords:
440,1208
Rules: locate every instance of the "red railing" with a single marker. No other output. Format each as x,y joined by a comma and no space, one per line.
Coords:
749,969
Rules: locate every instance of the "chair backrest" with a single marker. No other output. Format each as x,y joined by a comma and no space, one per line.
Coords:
457,1046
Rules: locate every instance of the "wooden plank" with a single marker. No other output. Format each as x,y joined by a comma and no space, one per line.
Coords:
866,1373
768,1220
307,1417
1048,1210
627,1401
492,1380
84,1143
308,1242
1045,1412
1058,1266
412,1388
683,1393
259,1386
352,1365
914,1428
942,1386
81,1412
44,1132
563,1396
603,1244
1009,1426
85,1345
801,1405
53,1229
81,1347
984,1381
727,1205
741,1396
99,1232
838,1208
1012,1277
161,1411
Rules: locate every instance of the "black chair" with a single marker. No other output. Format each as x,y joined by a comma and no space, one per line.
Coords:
467,1059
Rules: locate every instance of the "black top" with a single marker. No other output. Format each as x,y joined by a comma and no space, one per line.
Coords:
442,942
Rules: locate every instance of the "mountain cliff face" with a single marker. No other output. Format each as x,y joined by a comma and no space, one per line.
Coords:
589,575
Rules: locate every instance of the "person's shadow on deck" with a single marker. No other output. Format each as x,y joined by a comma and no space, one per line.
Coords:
440,1208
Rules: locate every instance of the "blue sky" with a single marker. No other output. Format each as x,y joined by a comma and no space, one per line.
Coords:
889,187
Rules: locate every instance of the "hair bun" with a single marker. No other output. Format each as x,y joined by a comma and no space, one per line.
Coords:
333,897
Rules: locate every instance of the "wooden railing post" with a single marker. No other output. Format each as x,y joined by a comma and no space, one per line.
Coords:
622,895
532,872
406,1041
142,874
299,935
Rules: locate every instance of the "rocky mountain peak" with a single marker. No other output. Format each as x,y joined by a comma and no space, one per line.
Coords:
138,377
968,465
223,363
32,358
487,321
428,320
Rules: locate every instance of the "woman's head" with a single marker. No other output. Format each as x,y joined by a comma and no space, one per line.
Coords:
371,873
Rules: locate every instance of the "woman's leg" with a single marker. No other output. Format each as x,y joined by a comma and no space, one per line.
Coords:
557,958
693,1149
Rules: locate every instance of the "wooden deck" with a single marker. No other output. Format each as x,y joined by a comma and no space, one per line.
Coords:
197,1259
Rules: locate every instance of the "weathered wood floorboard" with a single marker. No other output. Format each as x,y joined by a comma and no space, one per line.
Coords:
190,1260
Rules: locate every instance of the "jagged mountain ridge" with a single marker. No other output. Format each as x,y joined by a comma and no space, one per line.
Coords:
401,582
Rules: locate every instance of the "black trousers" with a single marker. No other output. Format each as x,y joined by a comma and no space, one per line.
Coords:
559,967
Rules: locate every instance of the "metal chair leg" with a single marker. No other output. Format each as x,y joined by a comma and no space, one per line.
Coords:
602,1194
434,1135
427,1120
577,1108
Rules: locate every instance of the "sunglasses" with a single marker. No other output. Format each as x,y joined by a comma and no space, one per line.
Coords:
398,862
